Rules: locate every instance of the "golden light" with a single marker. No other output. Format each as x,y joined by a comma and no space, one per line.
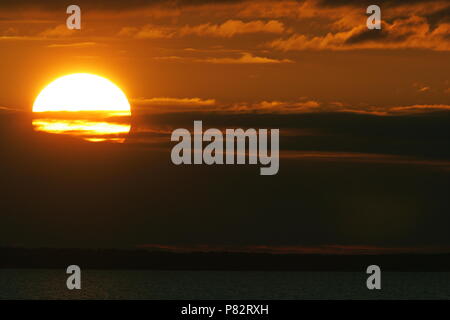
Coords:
84,105
81,92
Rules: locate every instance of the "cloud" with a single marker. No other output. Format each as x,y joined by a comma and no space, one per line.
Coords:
168,105
227,29
73,45
176,101
325,25
301,106
10,110
359,157
56,32
384,110
413,32
18,38
419,108
148,31
284,107
231,28
171,58
11,31
343,13
111,5
296,249
246,58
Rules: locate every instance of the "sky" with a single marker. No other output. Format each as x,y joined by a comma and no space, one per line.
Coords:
363,118
234,53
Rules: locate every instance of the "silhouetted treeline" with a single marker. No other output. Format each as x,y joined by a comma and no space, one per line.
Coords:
161,260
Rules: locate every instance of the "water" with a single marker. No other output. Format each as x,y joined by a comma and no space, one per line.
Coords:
146,284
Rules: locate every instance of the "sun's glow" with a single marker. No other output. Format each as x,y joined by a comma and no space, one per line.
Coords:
81,92
80,126
83,105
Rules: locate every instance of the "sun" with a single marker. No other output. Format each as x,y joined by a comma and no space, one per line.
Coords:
83,105
82,92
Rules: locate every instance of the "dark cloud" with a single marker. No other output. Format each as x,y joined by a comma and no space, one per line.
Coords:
326,249
367,35
426,133
437,17
366,3
106,4
56,190
377,35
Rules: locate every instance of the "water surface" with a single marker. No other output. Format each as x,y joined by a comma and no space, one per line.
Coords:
149,284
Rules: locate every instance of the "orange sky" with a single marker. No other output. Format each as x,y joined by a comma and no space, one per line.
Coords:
235,56
364,156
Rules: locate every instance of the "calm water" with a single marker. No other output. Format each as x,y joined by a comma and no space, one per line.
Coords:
130,284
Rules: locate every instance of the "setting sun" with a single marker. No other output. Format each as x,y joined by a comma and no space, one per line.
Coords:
83,105
201,151
81,92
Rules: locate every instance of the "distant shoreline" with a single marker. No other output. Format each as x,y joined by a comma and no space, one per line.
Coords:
43,258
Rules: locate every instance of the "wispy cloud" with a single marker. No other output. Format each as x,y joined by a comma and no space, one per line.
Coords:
313,106
232,28
56,32
420,108
413,32
148,31
227,29
73,45
246,58
176,101
359,157
276,107
301,106
168,104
